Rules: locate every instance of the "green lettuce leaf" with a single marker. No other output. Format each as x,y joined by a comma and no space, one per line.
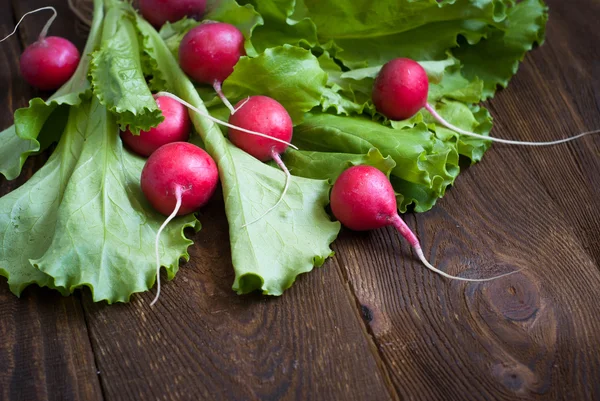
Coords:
420,157
100,228
326,165
496,59
269,254
117,73
288,74
28,214
285,22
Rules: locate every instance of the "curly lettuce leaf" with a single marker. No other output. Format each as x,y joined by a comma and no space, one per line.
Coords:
329,165
285,22
496,59
420,157
99,226
117,74
288,74
269,254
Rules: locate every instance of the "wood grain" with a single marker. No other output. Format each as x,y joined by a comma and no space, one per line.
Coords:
45,350
204,342
372,324
534,335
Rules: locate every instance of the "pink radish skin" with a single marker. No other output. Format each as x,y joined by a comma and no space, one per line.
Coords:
400,91
49,62
158,12
177,179
362,198
261,114
209,52
175,128
179,165
266,115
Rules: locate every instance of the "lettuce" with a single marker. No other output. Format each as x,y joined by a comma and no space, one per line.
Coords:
82,220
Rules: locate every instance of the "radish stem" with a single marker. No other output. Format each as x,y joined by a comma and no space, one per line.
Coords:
454,128
178,191
219,90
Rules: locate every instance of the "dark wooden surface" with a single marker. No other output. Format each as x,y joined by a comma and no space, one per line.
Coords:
372,324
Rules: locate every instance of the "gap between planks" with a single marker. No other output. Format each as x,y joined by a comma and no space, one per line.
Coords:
367,329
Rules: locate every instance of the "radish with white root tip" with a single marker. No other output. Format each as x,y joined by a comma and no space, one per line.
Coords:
400,91
177,179
362,199
266,115
49,62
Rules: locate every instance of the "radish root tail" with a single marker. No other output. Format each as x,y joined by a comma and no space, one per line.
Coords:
419,252
277,158
216,120
454,128
178,192
412,239
219,90
46,27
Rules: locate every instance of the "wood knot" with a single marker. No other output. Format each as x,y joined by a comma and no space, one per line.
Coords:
516,297
515,377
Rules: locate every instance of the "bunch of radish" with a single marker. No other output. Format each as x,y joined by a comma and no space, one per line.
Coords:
179,178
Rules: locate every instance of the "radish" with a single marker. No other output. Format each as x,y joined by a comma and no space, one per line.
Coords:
266,115
362,198
49,62
209,52
228,125
158,12
177,179
400,91
175,128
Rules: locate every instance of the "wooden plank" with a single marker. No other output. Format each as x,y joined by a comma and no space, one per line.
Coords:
533,335
204,342
45,353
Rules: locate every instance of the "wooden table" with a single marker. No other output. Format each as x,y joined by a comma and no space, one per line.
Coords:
372,324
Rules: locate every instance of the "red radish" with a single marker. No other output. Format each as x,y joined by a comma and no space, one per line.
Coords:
179,164
177,179
400,91
209,52
158,12
266,115
175,128
216,120
362,198
49,62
